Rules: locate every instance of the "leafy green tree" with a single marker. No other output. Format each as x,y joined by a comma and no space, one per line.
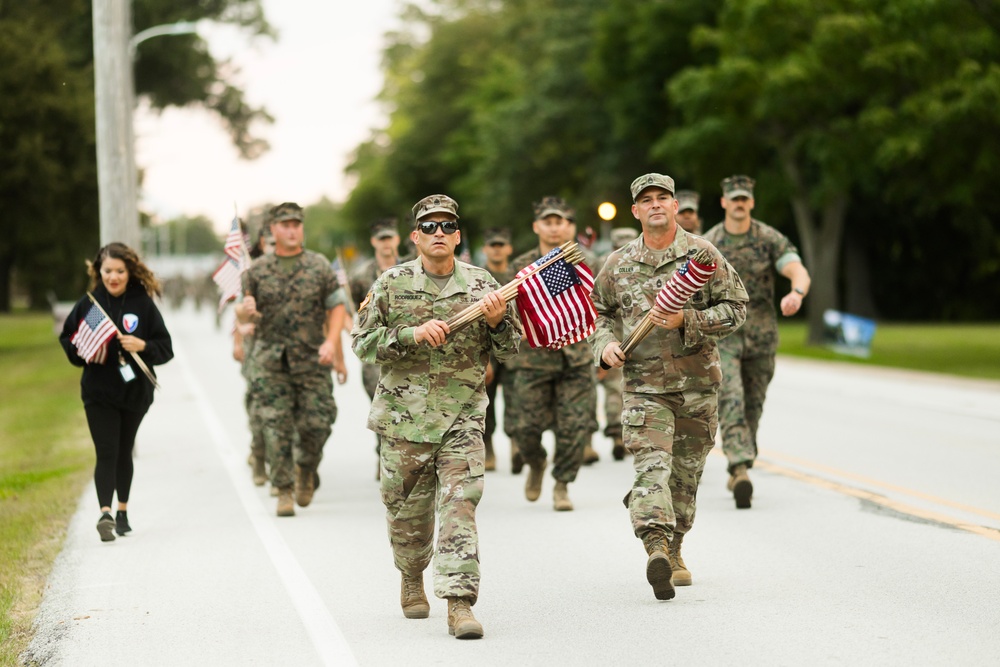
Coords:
189,236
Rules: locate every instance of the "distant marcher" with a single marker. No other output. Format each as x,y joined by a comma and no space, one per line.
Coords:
757,251
671,377
687,211
385,244
430,408
554,389
297,306
116,394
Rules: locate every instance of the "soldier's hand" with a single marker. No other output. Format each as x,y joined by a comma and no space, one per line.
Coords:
613,357
490,373
249,306
666,320
601,374
434,333
791,303
326,353
238,353
494,306
341,369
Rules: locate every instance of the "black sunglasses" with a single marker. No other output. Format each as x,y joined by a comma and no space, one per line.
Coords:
431,227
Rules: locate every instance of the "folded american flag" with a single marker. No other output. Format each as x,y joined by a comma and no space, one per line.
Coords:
554,303
229,275
92,335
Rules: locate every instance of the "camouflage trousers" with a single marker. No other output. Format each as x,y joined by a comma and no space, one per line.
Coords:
369,378
421,477
612,383
741,402
670,436
291,406
563,400
257,447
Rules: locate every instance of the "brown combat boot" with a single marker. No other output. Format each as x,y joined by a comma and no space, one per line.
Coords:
618,449
286,503
412,598
560,498
461,622
658,564
680,575
739,483
491,459
516,460
305,483
533,485
590,455
259,473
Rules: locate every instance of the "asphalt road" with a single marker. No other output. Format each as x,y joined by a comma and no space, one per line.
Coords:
874,539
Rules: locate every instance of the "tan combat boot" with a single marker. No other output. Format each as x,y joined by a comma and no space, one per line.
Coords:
680,575
491,459
286,503
590,455
461,622
412,598
658,564
259,473
618,449
739,483
304,485
560,498
516,460
533,485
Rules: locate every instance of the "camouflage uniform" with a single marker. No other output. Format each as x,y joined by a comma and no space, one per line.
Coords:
430,409
670,405
554,389
293,394
502,377
257,446
748,355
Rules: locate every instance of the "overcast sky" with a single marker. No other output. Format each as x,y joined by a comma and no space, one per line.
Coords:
319,81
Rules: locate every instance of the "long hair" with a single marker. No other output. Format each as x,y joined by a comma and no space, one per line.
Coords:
137,271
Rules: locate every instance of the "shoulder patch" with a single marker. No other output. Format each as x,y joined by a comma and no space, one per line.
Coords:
364,304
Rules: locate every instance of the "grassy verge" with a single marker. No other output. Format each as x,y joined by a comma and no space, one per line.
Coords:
45,461
969,350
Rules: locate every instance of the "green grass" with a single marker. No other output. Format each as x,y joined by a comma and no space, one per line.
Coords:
45,461
968,350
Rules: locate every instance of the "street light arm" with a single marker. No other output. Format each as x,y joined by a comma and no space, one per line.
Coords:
179,28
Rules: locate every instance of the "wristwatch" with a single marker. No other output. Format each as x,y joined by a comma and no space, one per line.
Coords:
799,291
500,327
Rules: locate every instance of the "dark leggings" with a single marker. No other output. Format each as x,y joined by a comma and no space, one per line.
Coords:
113,432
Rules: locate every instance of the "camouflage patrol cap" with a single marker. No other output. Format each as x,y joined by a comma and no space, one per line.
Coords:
383,228
287,211
651,181
552,206
738,186
687,200
496,235
622,235
435,204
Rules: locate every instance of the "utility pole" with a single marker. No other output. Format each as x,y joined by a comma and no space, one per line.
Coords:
115,95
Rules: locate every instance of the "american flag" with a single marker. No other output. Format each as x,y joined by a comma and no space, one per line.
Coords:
686,281
554,303
92,335
229,275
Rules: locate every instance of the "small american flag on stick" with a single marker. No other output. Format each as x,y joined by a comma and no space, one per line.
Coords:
229,275
94,331
554,302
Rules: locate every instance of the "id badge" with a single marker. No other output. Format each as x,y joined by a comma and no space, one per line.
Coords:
126,370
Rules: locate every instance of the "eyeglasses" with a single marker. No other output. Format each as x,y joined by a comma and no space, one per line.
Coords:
431,227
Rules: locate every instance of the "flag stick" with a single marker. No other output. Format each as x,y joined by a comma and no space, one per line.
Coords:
138,360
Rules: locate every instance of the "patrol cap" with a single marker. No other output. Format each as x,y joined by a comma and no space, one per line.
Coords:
287,211
552,206
622,235
738,186
435,204
687,200
383,228
496,235
651,181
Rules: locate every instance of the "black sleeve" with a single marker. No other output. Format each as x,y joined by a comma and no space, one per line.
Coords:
159,348
69,328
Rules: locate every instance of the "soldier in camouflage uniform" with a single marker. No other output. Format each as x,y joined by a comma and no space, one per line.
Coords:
385,244
554,388
687,211
611,378
430,408
498,249
671,378
756,250
298,309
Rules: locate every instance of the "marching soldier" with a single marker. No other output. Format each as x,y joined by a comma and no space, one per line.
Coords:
687,211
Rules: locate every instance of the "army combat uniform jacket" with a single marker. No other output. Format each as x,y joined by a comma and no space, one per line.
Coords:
667,361
423,391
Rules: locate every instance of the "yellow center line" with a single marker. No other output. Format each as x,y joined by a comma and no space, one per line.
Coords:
884,485
990,533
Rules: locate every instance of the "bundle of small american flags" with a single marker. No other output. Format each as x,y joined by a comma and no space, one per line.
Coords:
554,301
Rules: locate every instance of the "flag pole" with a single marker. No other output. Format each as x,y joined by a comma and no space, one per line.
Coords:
138,359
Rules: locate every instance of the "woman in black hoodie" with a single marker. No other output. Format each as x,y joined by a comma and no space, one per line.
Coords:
116,394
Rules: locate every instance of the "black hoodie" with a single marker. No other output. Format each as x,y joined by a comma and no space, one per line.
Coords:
102,384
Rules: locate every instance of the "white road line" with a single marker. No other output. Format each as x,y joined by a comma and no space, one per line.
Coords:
322,628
